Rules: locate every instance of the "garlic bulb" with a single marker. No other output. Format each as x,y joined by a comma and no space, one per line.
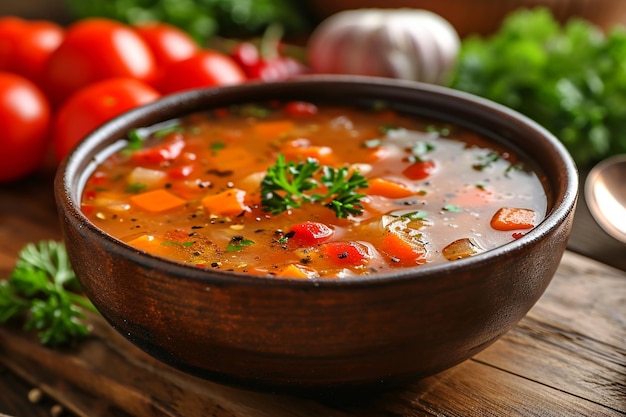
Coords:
411,44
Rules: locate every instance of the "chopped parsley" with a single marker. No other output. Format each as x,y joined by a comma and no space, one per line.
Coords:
237,243
288,185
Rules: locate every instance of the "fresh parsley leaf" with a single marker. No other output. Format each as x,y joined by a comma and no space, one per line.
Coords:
216,146
44,289
288,185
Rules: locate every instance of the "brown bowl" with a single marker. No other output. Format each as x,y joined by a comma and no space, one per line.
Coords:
485,16
277,333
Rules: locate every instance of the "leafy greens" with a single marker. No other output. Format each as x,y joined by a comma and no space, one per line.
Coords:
43,287
569,78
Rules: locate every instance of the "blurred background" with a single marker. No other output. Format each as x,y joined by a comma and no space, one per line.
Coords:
467,16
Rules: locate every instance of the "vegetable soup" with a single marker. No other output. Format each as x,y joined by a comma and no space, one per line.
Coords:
306,190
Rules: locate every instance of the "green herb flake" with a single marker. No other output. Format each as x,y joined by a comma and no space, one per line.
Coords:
237,243
217,146
485,161
135,188
452,208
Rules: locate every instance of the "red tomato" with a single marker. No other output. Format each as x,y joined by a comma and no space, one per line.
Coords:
9,33
419,170
95,104
168,150
93,50
168,43
310,233
346,253
300,109
24,122
25,46
207,68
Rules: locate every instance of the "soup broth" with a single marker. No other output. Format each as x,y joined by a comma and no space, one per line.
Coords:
305,190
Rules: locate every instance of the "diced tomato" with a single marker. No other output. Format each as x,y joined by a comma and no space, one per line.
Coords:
166,151
310,233
419,170
300,109
346,253
180,172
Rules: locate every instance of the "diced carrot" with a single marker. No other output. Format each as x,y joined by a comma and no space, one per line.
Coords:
273,129
387,188
403,250
151,244
508,218
300,150
157,201
227,203
294,271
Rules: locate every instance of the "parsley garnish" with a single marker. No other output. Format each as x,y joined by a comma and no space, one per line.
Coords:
43,287
452,207
288,185
216,146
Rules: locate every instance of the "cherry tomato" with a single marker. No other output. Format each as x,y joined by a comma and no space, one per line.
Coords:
96,49
93,105
167,43
258,67
207,68
24,122
25,46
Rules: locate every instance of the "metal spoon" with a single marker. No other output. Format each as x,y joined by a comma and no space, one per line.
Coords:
605,194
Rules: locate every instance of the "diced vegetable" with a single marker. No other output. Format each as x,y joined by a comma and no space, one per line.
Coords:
295,271
147,176
461,248
157,201
419,170
508,218
346,253
388,188
227,203
168,150
309,233
273,129
403,249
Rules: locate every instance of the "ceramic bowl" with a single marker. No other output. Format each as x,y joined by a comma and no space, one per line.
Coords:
278,333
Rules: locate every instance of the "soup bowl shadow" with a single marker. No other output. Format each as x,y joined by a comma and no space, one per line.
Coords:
302,335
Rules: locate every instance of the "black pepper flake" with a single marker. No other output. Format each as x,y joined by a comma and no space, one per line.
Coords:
243,212
305,261
192,234
394,259
196,253
133,219
205,184
214,264
290,234
197,227
342,255
259,230
168,185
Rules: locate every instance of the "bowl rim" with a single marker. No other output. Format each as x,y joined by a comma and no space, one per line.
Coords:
69,180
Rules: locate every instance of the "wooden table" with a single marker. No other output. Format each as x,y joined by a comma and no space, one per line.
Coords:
567,357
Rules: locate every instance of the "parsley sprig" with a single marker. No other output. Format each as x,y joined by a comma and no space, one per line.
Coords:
43,287
288,185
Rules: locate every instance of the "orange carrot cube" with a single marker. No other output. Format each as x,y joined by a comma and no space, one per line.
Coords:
157,201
